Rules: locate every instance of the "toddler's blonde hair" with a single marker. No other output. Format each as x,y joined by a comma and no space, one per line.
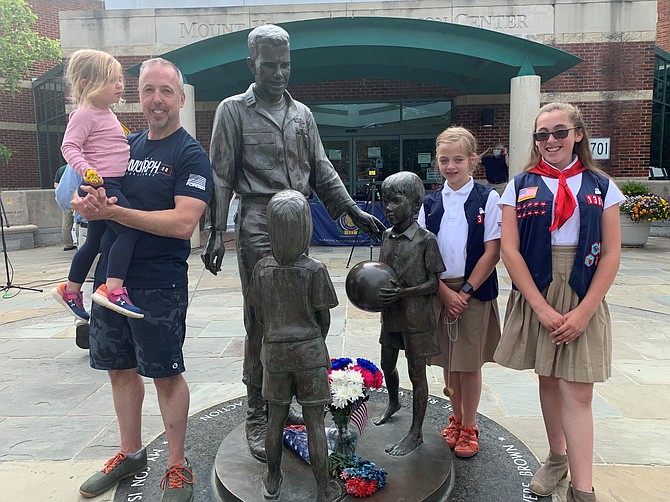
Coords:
96,68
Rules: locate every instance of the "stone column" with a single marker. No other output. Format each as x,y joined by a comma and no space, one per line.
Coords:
187,113
523,107
187,117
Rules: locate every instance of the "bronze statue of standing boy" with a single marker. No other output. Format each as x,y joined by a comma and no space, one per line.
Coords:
291,295
408,319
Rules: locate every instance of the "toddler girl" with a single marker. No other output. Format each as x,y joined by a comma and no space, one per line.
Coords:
95,146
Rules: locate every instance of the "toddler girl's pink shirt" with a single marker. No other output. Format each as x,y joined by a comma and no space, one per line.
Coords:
94,139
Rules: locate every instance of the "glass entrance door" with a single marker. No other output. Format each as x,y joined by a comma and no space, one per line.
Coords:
362,160
338,151
418,156
376,159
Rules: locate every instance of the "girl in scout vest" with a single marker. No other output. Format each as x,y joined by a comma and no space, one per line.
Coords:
465,217
561,246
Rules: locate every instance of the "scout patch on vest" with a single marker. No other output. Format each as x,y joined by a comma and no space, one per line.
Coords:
594,200
594,256
480,216
527,193
537,208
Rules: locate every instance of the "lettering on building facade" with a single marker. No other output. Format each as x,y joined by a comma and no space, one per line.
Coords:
492,19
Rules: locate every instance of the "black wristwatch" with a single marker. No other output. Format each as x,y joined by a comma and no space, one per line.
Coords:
467,288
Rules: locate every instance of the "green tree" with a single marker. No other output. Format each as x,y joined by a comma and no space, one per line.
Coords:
20,47
20,44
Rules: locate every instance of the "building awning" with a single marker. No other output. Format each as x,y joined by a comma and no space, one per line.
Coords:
454,56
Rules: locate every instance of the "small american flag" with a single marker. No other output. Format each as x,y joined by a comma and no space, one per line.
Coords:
196,181
359,414
527,193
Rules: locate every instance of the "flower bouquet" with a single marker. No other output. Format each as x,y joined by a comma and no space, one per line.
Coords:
640,205
361,477
349,386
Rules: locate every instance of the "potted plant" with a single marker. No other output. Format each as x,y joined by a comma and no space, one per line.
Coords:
638,211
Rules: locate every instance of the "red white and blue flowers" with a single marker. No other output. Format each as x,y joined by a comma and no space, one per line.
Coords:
349,383
361,476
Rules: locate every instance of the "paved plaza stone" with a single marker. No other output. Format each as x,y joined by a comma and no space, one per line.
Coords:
57,423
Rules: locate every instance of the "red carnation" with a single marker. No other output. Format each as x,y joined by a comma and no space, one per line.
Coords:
361,487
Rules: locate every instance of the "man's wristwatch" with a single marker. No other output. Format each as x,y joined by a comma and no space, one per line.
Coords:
467,288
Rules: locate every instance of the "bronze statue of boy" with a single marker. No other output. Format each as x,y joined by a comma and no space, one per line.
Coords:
291,296
408,320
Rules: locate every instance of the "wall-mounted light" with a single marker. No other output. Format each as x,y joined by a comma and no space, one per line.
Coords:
487,117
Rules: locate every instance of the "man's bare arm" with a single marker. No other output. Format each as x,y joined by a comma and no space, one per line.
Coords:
178,223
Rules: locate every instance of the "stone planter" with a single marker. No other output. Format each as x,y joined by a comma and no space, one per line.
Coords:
634,234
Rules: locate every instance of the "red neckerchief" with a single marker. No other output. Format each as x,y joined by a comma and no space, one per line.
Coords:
565,202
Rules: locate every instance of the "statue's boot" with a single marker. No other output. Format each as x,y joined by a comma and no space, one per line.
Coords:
294,417
256,423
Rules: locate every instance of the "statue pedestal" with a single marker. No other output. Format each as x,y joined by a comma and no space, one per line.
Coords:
424,474
501,471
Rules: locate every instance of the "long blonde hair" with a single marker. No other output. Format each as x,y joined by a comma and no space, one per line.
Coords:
582,148
465,139
96,68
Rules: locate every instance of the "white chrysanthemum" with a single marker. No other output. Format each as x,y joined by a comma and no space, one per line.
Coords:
345,387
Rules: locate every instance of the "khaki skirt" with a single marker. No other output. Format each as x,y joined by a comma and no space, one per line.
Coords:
526,344
475,333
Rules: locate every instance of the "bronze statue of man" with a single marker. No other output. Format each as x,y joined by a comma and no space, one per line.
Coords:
263,141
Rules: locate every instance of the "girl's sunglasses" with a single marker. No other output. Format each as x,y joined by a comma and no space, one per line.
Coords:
558,134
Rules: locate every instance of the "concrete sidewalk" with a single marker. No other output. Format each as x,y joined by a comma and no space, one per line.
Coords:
57,423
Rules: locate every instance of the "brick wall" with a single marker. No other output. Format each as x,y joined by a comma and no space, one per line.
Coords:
663,25
22,171
47,21
625,66
367,90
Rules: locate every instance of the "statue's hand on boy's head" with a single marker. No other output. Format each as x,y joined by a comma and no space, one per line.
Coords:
367,223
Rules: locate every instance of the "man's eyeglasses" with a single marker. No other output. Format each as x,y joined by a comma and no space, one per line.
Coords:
558,134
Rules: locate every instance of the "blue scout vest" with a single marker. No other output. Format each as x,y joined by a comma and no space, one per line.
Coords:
474,215
533,212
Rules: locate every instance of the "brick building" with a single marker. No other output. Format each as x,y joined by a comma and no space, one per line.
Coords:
377,107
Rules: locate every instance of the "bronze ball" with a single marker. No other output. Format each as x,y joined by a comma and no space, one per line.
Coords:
365,280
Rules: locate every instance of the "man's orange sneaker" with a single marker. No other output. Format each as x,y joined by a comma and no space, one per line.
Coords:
452,431
468,442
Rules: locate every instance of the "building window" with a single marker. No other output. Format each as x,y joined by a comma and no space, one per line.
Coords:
433,114
367,142
660,122
51,121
